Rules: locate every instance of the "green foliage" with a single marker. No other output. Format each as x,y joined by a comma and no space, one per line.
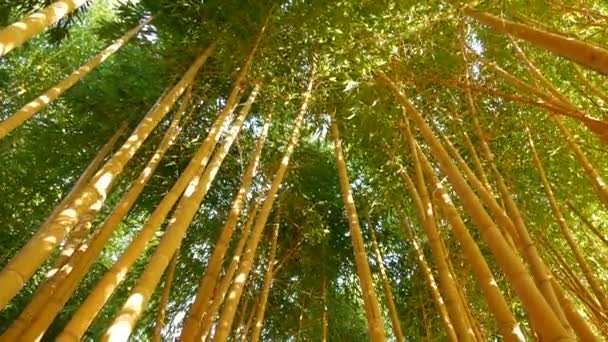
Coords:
418,44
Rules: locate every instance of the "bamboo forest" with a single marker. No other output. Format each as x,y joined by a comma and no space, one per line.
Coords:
303,170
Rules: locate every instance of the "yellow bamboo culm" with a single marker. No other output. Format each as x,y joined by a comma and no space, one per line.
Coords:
56,275
506,322
51,300
208,283
20,32
375,321
591,56
187,208
219,294
446,322
36,105
447,285
230,307
386,286
23,265
324,312
545,320
579,256
164,300
105,287
268,277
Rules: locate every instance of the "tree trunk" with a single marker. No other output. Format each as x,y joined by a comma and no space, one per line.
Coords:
523,239
386,285
36,105
227,315
505,221
198,307
375,321
207,316
432,285
177,227
73,241
65,282
595,230
484,180
20,32
565,230
590,56
505,224
324,309
447,285
505,320
597,182
549,325
164,299
477,162
240,320
245,331
214,265
437,298
34,253
85,177
87,311
268,277
300,325
579,325
75,270
55,276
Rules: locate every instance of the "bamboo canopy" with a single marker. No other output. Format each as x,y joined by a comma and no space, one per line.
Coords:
274,170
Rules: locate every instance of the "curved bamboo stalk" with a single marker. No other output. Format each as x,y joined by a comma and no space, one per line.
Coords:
85,177
583,331
522,239
422,263
597,182
89,308
240,319
324,310
76,269
300,325
432,284
56,274
596,126
477,162
247,327
447,286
